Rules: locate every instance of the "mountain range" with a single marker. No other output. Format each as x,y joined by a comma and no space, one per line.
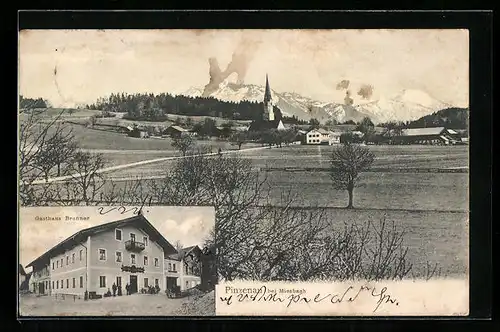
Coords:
407,105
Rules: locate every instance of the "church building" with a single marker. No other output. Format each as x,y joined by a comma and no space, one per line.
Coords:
268,120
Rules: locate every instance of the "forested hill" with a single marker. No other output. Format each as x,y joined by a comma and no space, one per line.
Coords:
453,118
152,106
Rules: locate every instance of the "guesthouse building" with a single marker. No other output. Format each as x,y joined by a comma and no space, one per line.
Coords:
128,251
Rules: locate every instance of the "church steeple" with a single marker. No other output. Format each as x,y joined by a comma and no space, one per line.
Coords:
268,106
267,94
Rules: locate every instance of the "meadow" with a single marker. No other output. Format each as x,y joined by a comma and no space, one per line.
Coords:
432,207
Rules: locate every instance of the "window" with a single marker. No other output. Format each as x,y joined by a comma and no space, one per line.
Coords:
118,281
145,260
145,240
102,254
174,269
81,281
132,258
157,262
72,258
81,254
62,284
157,283
57,264
57,284
67,283
132,237
170,266
53,284
102,281
53,265
67,260
118,234
118,256
74,283
146,284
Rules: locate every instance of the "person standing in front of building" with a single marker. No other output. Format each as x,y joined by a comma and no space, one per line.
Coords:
114,289
127,288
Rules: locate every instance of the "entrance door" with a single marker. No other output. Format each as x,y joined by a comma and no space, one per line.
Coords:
133,284
41,288
171,282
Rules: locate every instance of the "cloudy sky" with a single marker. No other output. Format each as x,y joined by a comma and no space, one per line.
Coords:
190,225
71,67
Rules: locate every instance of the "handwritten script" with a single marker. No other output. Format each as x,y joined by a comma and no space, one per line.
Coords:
120,209
350,294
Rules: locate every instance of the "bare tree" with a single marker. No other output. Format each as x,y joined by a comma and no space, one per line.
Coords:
347,161
92,121
239,138
86,179
183,144
43,145
178,245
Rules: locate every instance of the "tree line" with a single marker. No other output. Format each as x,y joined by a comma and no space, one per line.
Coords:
27,103
151,107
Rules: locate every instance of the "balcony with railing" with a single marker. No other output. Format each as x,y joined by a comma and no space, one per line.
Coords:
134,246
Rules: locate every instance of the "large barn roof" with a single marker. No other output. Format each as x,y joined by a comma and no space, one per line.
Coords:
423,131
138,221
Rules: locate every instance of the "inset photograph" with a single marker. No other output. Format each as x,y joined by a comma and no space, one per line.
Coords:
116,261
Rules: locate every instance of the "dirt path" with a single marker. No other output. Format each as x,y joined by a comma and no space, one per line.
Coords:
141,163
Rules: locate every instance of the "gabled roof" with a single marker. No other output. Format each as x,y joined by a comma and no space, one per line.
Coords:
183,252
178,128
264,125
320,130
138,221
21,270
422,131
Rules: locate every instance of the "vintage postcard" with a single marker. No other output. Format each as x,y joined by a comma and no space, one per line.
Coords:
336,163
116,261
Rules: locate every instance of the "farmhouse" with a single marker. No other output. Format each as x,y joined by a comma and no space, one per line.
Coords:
435,135
137,132
322,136
176,131
183,269
268,120
129,251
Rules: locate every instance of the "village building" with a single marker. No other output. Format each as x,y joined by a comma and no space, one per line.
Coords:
176,132
137,132
124,252
432,136
183,269
321,136
268,121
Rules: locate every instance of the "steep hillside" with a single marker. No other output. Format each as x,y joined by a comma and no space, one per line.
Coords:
452,117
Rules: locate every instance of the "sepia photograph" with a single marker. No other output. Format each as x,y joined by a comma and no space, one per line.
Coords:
116,261
333,160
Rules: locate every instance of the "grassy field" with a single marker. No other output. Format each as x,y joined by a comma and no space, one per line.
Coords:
431,206
101,140
434,237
